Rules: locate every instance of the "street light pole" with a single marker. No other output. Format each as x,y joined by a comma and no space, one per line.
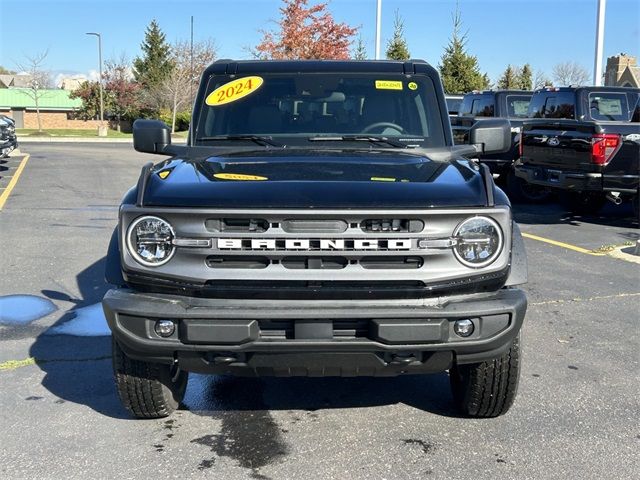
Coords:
378,21
99,73
597,64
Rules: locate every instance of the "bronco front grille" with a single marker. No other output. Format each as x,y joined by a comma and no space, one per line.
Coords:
315,247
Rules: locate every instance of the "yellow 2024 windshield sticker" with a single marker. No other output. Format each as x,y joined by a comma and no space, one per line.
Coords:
388,85
238,176
234,90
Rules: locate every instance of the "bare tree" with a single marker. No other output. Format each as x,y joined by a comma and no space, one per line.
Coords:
570,73
182,80
541,80
39,81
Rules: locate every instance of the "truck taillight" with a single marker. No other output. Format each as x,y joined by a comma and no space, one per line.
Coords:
603,145
521,144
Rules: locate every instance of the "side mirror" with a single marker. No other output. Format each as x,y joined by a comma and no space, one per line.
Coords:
151,136
491,135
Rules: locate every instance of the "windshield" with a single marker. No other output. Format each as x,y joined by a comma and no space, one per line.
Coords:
293,109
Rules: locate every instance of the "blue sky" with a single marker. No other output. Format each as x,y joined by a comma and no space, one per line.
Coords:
500,32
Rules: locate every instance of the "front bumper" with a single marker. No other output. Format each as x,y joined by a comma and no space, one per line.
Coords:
315,337
563,180
9,144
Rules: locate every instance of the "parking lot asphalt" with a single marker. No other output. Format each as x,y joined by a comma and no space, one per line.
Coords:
576,415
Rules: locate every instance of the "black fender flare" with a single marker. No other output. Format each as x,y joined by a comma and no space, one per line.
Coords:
113,267
519,270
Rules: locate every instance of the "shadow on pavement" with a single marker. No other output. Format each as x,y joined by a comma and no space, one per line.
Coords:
617,216
78,368
215,394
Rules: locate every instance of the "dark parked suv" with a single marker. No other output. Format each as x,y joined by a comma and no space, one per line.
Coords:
320,222
511,105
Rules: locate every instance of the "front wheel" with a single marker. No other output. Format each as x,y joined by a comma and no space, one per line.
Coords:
487,389
146,389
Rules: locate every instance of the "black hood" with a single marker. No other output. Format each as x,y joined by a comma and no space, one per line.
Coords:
315,179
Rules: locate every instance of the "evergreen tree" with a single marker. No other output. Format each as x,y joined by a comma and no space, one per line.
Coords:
510,79
153,67
526,78
459,70
360,52
397,48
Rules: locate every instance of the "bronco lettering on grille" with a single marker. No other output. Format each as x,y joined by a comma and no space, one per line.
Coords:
312,244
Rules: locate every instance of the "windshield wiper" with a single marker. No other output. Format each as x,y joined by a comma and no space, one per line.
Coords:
358,138
259,139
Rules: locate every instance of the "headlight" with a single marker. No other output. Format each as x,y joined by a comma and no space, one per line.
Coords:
150,241
478,241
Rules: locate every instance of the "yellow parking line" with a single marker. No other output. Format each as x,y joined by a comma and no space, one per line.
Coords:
561,244
14,180
13,364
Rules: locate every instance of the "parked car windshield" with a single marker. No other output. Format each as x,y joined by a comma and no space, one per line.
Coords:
294,108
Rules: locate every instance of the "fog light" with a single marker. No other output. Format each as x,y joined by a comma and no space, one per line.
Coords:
463,328
165,328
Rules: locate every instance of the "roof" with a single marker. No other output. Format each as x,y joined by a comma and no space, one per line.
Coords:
53,99
630,76
601,88
501,91
226,66
15,80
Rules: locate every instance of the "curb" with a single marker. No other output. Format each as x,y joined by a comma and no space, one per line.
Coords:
25,140
628,253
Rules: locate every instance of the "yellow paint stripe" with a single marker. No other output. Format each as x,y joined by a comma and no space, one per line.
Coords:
13,364
588,299
561,244
14,180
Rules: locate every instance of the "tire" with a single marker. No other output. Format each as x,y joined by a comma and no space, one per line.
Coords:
147,390
582,203
521,191
487,389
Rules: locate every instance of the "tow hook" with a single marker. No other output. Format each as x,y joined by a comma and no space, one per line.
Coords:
401,359
224,360
614,197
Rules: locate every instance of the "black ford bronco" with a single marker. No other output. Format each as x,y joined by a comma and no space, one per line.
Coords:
319,222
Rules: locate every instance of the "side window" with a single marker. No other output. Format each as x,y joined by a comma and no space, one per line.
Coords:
608,106
483,106
635,114
517,106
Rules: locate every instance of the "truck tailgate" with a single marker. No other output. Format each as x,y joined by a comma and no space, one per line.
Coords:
563,144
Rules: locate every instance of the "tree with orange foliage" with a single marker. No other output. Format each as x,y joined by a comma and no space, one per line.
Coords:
306,32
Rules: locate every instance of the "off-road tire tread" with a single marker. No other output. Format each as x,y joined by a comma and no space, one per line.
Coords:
489,388
141,388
